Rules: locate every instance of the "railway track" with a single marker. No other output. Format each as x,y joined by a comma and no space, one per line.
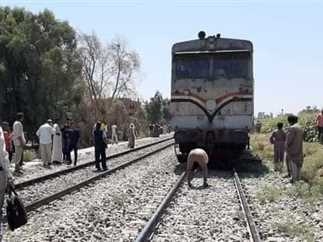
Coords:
148,233
113,208
43,190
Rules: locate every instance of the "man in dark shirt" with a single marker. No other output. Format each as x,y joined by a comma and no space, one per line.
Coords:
75,137
67,138
100,144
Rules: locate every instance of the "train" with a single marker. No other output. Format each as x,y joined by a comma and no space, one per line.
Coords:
212,95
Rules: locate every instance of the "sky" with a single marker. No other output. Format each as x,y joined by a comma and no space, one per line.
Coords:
286,34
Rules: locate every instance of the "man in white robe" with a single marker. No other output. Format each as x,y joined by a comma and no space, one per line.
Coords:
57,152
114,135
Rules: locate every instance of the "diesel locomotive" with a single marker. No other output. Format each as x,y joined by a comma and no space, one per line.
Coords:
212,95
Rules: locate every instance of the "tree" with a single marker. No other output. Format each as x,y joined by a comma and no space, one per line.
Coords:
40,66
94,68
166,111
107,69
154,108
125,66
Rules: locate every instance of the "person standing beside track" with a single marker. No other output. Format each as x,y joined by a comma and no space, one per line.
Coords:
66,142
8,139
131,136
19,141
197,156
5,176
294,147
44,134
278,138
319,125
100,145
114,134
75,137
57,153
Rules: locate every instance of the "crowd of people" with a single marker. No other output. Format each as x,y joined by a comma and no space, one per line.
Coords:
56,143
55,147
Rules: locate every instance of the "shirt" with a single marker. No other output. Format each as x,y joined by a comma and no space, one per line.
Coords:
114,129
45,133
319,120
4,162
278,136
8,140
18,131
3,151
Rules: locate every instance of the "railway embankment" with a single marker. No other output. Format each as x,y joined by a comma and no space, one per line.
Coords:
285,211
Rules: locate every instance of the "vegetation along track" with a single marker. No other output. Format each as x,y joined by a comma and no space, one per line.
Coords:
203,214
40,193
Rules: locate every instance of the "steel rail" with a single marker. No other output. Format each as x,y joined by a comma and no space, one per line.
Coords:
36,204
81,166
147,231
252,228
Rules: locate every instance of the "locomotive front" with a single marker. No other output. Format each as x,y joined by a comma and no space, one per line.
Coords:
211,94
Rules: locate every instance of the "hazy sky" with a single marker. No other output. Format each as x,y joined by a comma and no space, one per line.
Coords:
287,37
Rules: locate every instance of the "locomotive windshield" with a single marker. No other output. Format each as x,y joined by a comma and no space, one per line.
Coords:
192,66
225,65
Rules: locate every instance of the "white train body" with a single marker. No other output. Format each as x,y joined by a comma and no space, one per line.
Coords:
212,92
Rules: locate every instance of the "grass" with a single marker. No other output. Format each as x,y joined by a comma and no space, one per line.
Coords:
292,229
269,194
261,146
311,173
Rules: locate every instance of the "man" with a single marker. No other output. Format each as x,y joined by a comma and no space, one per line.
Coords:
151,129
319,125
67,139
57,153
75,136
197,157
278,138
114,134
131,136
44,134
19,141
5,176
100,144
294,147
8,139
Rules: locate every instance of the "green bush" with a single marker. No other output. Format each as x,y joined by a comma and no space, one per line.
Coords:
306,120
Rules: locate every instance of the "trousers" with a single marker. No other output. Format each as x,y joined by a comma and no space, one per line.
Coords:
100,158
17,157
296,170
46,153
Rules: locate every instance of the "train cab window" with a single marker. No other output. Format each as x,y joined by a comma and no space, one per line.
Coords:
192,66
231,65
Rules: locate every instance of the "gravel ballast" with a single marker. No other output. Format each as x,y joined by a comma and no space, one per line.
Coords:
281,213
51,186
210,214
113,209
